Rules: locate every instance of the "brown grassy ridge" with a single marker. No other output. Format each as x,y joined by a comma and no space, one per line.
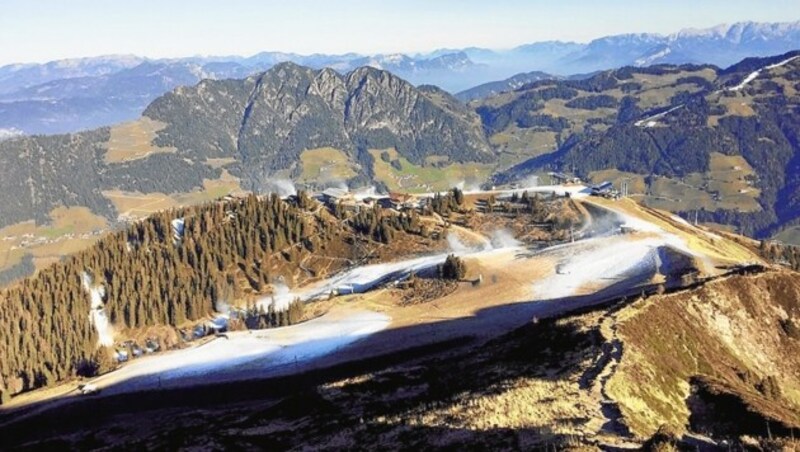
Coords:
725,334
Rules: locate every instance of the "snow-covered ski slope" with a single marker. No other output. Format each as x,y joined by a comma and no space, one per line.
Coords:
243,352
755,74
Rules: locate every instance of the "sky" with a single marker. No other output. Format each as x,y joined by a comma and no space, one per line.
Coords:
44,30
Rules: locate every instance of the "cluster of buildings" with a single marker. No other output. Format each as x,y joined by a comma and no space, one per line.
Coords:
128,350
31,241
353,201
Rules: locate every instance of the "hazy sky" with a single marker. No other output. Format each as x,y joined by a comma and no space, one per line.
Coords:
41,30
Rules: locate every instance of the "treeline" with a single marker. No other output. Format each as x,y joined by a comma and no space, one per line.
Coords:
531,204
256,317
40,173
163,173
546,122
593,102
496,119
152,275
381,226
443,204
787,255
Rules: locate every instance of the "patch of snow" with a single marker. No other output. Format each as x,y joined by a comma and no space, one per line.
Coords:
667,239
359,279
782,63
394,58
681,220
623,261
97,312
374,64
601,262
711,234
464,186
750,77
574,191
716,31
365,192
648,60
457,246
755,74
178,226
88,389
220,322
367,277
651,120
281,297
639,224
503,238
263,351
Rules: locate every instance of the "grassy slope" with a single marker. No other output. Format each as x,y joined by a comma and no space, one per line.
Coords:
133,140
71,230
719,331
414,178
790,235
325,165
725,186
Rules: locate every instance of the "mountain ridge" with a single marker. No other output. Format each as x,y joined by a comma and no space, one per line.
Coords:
453,69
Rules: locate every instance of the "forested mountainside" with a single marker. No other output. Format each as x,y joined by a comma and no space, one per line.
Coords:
723,143
720,365
44,172
256,127
169,270
265,122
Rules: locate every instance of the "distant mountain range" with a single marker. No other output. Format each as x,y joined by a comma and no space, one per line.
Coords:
70,95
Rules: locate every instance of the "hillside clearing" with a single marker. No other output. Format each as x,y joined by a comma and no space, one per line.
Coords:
134,140
325,165
422,179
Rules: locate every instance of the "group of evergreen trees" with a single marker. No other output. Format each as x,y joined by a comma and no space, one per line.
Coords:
784,254
449,202
453,268
151,276
256,317
381,225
